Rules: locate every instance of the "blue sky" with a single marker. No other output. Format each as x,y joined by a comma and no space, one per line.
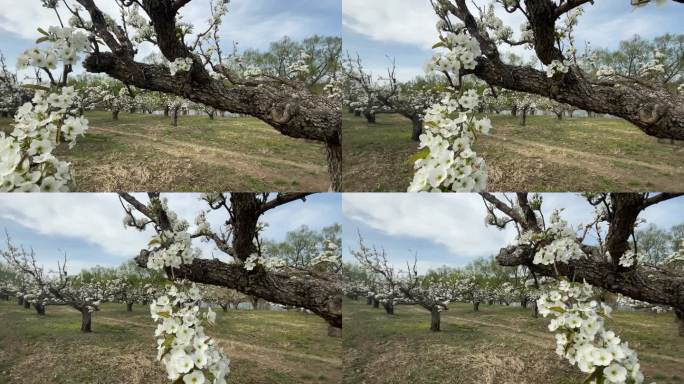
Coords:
405,29
449,229
88,227
253,24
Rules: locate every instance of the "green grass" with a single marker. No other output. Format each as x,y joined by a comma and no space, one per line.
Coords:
573,154
146,153
498,344
264,347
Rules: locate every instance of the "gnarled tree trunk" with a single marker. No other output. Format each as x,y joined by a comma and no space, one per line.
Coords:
129,307
27,304
175,117
389,307
417,128
115,114
40,309
679,314
376,303
476,306
370,117
86,321
435,319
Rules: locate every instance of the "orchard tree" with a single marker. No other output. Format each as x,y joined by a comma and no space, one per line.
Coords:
253,272
614,264
385,287
301,247
362,95
200,70
636,56
115,98
58,290
433,293
553,248
411,99
314,61
548,30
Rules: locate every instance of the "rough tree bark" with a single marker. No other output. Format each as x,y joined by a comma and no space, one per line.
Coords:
523,117
679,314
376,303
389,307
651,107
435,317
20,301
27,304
417,128
86,321
129,307
40,309
370,117
476,306
115,114
175,117
369,300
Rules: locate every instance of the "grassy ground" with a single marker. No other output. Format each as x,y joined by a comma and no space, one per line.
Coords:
578,154
498,344
264,347
146,153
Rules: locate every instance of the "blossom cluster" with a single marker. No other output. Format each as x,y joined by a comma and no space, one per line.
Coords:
269,263
66,43
182,344
560,244
462,52
451,164
556,67
26,160
181,64
299,66
331,255
581,336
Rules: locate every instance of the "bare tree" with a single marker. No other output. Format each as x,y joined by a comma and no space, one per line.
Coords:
53,290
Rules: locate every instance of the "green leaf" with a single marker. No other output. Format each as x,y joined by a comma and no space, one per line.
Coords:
41,30
154,241
168,341
557,309
164,314
35,87
420,155
42,39
439,45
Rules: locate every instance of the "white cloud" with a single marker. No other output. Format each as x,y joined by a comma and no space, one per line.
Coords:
404,21
455,221
95,218
398,21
